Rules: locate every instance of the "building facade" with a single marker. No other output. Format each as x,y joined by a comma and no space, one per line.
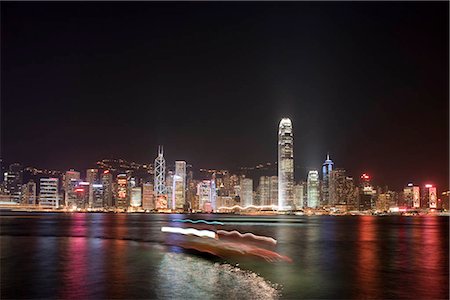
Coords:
285,165
313,189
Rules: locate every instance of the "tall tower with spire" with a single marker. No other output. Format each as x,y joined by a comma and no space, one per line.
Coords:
160,173
327,167
285,165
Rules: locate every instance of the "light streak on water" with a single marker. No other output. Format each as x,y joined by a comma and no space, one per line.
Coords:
200,221
190,231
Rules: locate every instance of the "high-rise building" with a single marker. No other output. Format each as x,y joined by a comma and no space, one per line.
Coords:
70,180
107,183
246,192
160,173
299,195
429,196
13,182
136,197
327,167
313,192
91,177
169,189
285,165
411,196
264,190
179,185
204,193
97,195
273,190
29,193
367,194
82,195
48,192
148,202
122,191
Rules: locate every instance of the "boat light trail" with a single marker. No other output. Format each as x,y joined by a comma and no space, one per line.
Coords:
200,221
190,231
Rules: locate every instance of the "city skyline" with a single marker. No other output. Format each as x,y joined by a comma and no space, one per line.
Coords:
130,89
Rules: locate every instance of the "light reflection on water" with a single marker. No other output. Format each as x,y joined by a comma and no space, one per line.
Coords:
125,256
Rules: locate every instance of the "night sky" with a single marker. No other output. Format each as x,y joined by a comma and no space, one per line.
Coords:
366,81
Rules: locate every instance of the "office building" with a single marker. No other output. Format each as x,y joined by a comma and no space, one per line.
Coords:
48,192
122,191
299,190
160,173
285,165
13,182
107,183
327,167
136,197
179,186
246,192
29,193
148,202
313,191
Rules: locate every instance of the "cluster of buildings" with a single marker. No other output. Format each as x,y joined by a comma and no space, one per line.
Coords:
120,185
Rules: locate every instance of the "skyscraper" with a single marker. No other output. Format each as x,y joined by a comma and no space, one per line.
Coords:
29,193
122,191
285,165
148,202
327,167
246,192
264,190
97,195
273,190
48,194
136,197
179,185
411,196
107,188
313,194
70,181
91,177
160,173
13,182
298,195
367,194
204,193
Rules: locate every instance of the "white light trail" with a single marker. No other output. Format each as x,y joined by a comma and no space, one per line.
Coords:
190,231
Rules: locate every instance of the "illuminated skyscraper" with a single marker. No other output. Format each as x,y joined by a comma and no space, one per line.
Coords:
298,195
327,167
411,196
285,165
148,202
70,181
91,177
246,192
429,196
160,173
367,194
313,194
179,185
122,191
264,190
273,190
204,195
97,195
136,197
48,194
13,182
107,189
29,193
